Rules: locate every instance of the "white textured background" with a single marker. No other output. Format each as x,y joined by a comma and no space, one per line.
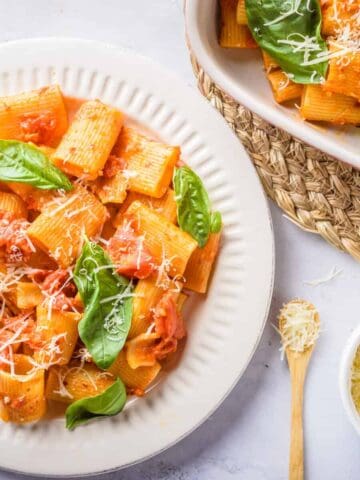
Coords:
247,438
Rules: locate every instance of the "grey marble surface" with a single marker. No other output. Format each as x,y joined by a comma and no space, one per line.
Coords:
247,437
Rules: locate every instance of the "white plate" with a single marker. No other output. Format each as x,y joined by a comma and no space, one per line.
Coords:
225,328
240,74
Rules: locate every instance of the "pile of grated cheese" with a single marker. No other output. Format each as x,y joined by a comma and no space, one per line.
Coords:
299,326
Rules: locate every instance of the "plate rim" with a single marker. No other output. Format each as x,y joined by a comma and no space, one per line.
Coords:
118,50
275,117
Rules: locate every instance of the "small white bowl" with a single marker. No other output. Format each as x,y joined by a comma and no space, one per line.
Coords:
345,378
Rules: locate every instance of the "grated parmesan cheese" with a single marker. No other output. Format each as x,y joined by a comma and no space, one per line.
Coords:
335,272
299,326
60,204
129,174
16,329
346,38
285,83
163,280
62,391
151,327
293,9
83,355
51,354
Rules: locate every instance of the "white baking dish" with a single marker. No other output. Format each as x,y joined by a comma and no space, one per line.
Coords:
240,74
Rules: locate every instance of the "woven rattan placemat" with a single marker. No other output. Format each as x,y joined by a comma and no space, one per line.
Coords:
317,192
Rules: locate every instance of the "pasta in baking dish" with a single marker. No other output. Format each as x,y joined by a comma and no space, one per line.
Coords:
310,49
104,233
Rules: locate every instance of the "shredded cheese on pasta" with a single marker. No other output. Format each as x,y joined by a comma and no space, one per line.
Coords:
285,83
112,325
83,355
293,8
51,353
163,280
346,38
63,373
61,204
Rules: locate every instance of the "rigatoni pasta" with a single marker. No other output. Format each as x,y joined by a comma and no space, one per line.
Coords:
113,189
38,116
164,205
283,88
73,382
147,294
337,13
87,144
137,379
343,75
321,105
233,34
241,17
165,241
149,164
28,295
13,204
310,50
22,392
58,331
60,228
269,63
97,244
200,265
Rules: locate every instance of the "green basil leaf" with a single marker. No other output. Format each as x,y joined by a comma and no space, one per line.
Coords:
216,222
107,404
290,32
24,163
107,297
193,206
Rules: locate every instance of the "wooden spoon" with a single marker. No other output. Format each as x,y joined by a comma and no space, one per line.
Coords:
299,327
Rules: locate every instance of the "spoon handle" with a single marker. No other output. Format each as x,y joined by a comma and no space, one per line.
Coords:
297,365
